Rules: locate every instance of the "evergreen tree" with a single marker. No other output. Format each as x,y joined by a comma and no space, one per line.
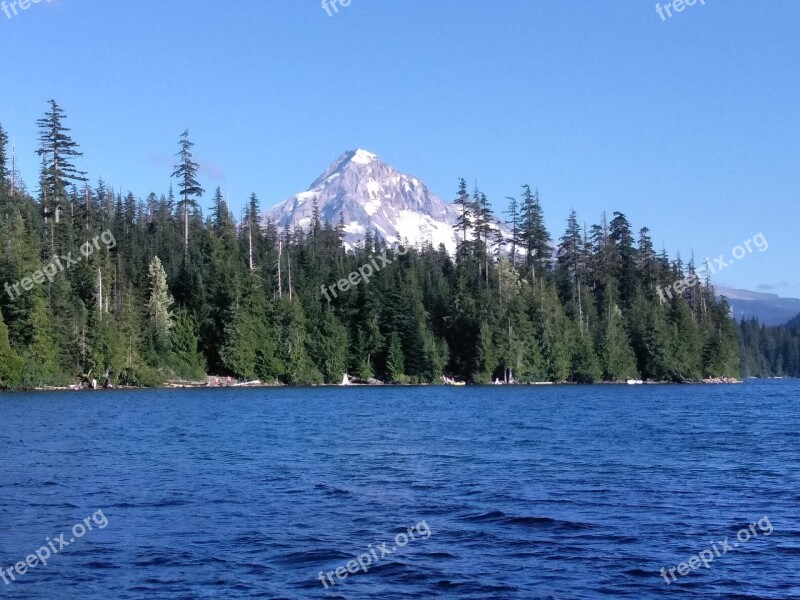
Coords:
464,221
487,358
294,346
533,235
4,172
247,298
189,188
188,362
395,362
330,347
41,366
159,306
10,363
58,152
514,240
585,367
625,261
616,355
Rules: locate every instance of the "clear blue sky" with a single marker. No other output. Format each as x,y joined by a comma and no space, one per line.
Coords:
690,126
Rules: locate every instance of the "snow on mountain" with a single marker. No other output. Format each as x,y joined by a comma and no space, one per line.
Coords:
370,194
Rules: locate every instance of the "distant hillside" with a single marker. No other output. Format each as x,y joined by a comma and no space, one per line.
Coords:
770,309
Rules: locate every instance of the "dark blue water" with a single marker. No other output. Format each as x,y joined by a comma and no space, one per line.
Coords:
559,492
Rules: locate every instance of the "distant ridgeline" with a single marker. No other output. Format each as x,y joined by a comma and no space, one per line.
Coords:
181,294
770,351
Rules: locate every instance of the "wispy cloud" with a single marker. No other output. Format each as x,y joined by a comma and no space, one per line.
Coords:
771,287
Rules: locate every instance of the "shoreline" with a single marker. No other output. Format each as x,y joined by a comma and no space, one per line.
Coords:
185,385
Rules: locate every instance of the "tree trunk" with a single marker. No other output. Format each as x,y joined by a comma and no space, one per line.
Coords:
280,278
186,230
99,291
250,242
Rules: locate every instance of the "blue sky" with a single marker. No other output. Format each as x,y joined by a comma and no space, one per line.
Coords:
690,126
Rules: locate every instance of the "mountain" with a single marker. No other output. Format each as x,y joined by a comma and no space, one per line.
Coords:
370,194
770,309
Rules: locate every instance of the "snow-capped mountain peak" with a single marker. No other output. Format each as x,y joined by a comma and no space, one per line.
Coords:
363,157
369,194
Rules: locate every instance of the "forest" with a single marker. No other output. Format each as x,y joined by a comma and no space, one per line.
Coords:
180,294
770,351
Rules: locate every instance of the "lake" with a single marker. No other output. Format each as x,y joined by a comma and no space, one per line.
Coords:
476,492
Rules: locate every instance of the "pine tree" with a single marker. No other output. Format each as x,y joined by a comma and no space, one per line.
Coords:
571,260
189,188
299,368
585,366
188,362
647,261
329,347
41,358
248,300
4,172
255,247
553,331
514,240
220,214
617,358
159,305
625,262
487,357
484,221
58,152
464,219
395,361
239,351
533,234
10,363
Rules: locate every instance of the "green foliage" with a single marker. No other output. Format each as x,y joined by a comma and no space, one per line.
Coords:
159,306
487,358
585,366
187,362
765,351
181,293
294,340
41,356
553,331
395,361
616,355
10,363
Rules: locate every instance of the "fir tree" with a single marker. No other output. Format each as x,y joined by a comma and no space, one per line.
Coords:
189,188
4,172
395,361
159,305
248,300
617,358
10,363
464,220
514,240
188,362
58,151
